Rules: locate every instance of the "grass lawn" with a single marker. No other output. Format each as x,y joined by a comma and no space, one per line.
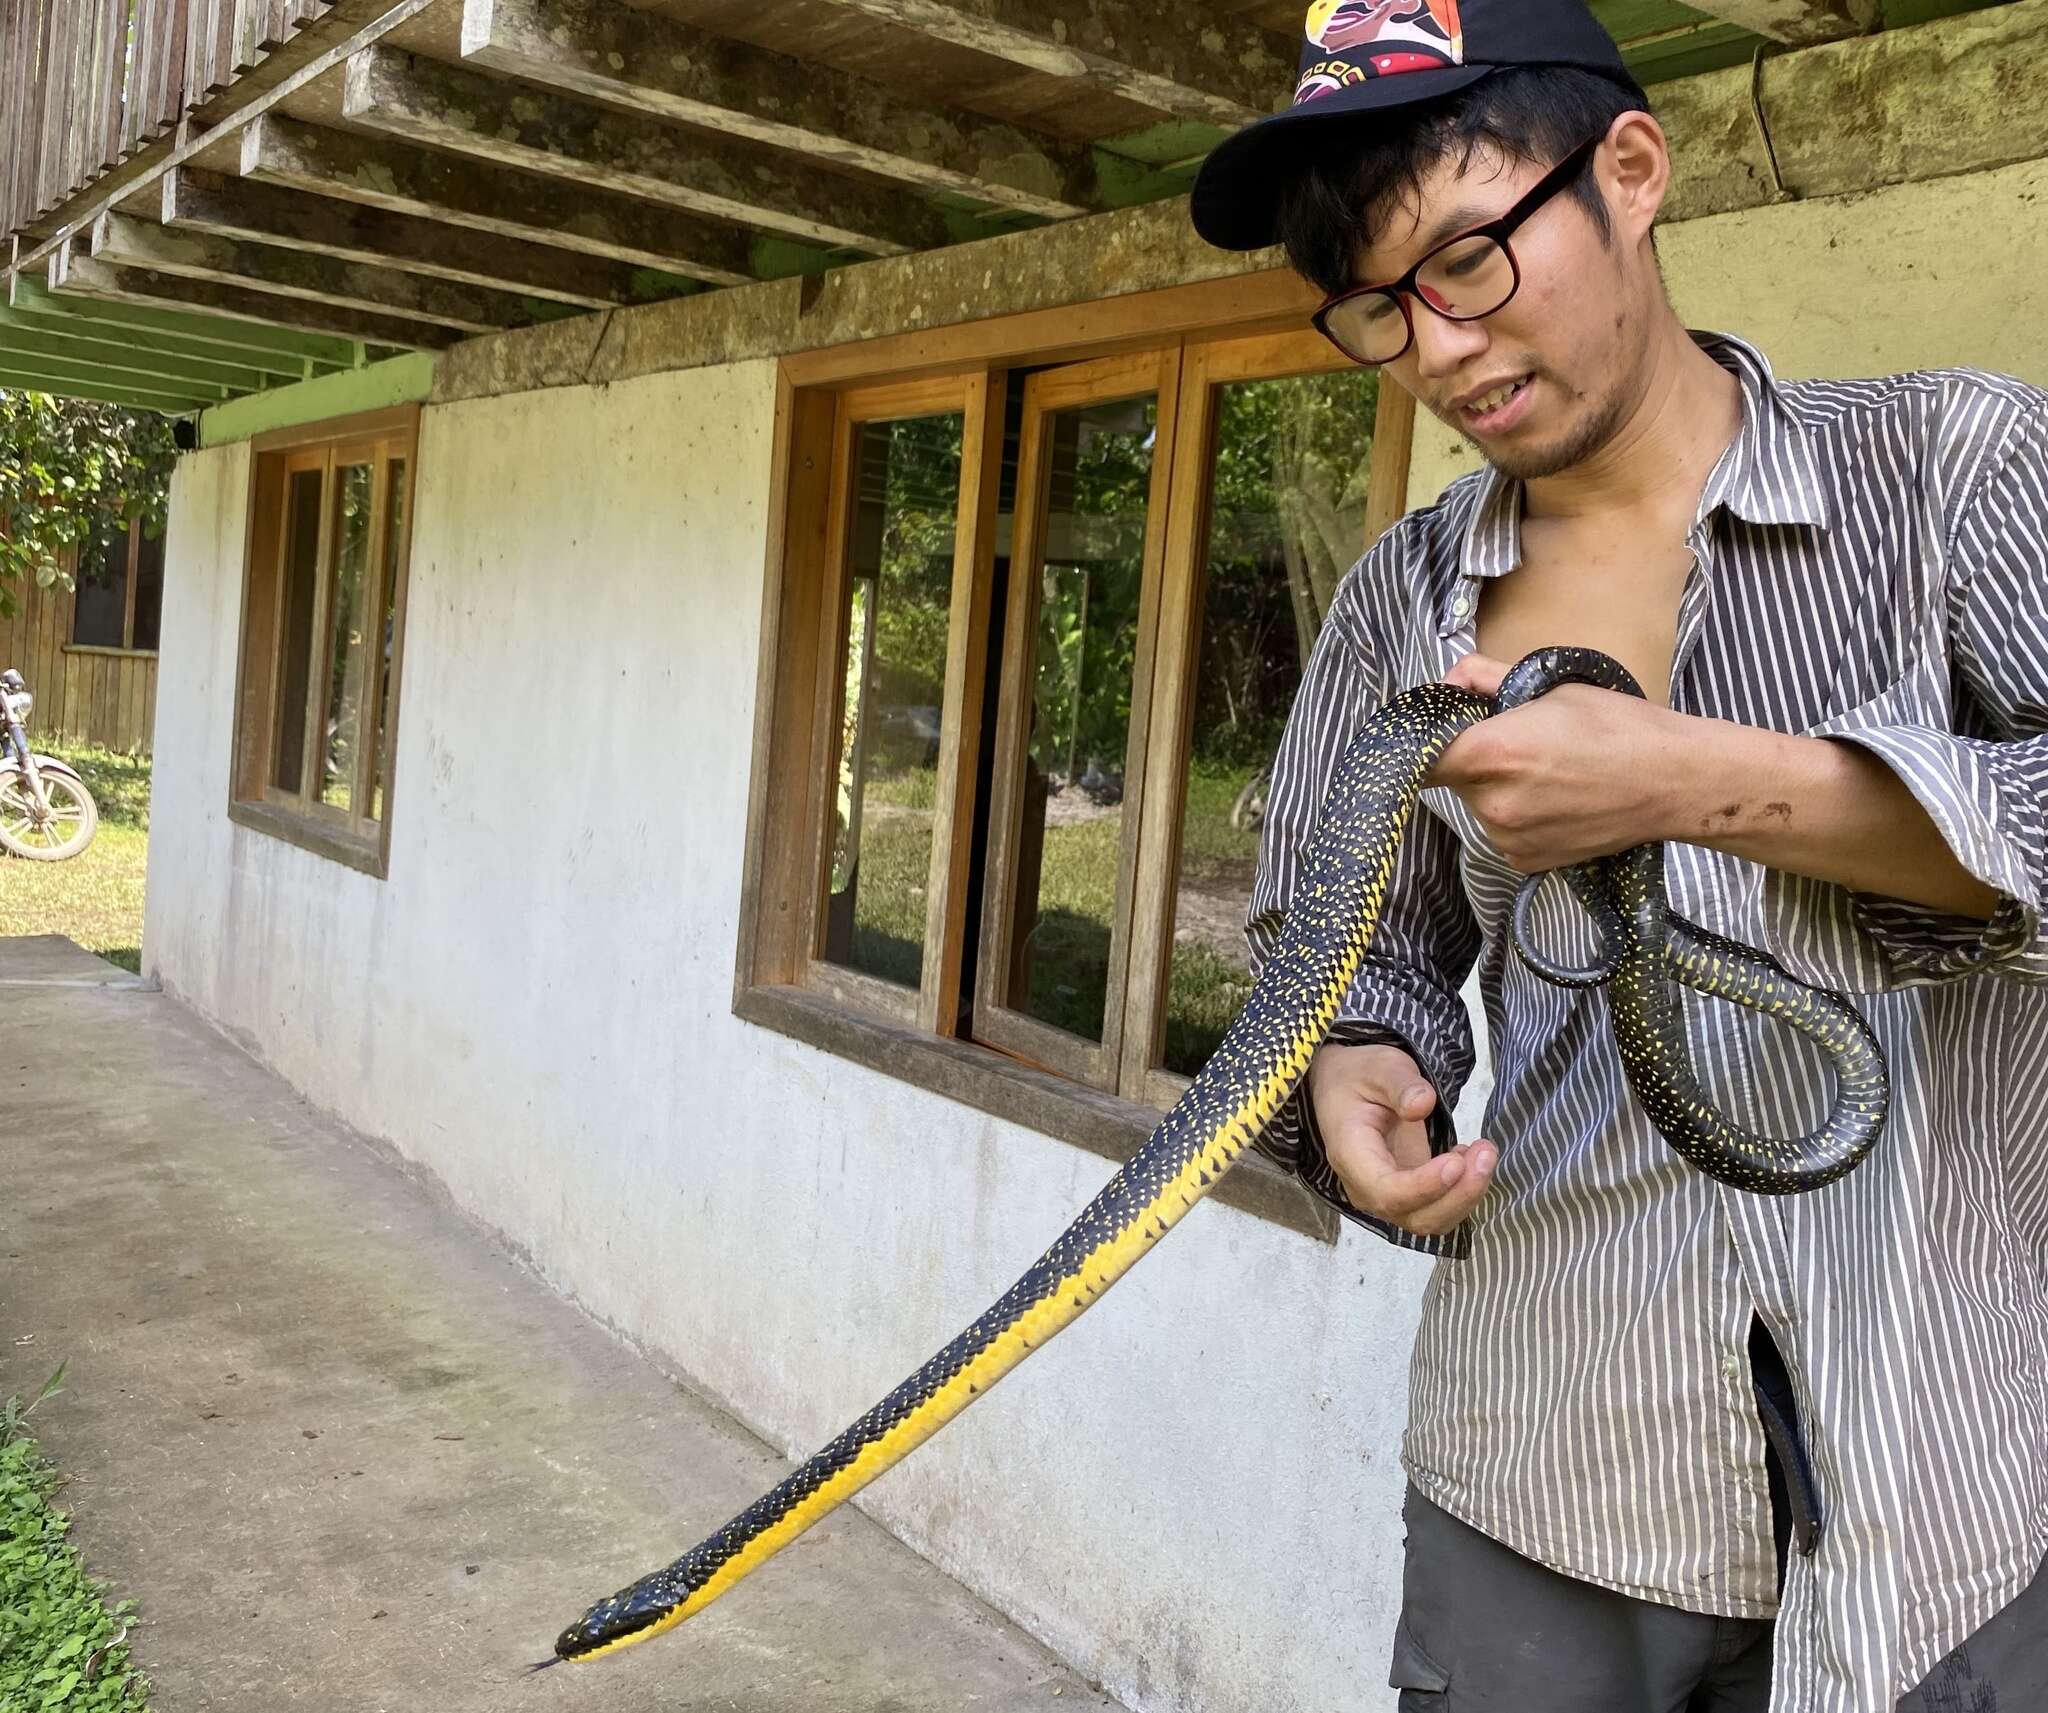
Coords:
1076,901
95,898
60,1646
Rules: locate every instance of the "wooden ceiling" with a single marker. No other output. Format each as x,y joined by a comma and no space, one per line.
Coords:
375,175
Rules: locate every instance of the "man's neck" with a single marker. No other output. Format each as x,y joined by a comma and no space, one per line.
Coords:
1658,460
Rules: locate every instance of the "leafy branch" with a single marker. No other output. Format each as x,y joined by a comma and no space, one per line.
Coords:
73,472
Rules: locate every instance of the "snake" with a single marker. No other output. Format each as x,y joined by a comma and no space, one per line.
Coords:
1647,954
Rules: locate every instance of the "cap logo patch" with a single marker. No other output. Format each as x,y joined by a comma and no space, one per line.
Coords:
1378,38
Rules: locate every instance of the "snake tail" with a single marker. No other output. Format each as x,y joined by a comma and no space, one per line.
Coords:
1347,867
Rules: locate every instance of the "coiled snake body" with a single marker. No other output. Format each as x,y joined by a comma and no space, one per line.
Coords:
1346,870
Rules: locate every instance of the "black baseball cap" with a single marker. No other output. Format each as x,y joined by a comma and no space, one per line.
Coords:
1364,59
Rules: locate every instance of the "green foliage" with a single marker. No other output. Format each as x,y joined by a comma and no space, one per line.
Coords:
60,1646
71,472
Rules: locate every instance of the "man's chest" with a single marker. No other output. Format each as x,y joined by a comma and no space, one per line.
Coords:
1626,605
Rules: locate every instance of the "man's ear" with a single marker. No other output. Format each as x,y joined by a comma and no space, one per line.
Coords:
1634,171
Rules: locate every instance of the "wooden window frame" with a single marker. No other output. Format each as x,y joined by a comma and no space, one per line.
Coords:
1187,343
127,649
380,439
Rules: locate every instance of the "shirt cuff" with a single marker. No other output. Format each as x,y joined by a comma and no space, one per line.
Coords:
1864,942
1309,1160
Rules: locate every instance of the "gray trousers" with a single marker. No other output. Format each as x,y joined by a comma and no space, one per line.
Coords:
1485,1630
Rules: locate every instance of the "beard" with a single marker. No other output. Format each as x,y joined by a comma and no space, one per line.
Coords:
1579,442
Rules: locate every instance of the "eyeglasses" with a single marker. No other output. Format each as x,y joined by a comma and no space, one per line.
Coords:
1464,278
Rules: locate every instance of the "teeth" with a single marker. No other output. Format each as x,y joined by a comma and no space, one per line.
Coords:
1494,400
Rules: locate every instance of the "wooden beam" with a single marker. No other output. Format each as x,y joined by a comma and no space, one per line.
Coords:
446,107
127,242
274,350
381,172
1796,23
646,62
1182,60
89,276
134,360
111,341
195,201
54,372
101,392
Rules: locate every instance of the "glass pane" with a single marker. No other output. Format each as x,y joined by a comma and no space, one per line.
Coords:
149,591
899,596
101,605
394,545
348,641
298,586
1286,521
1071,837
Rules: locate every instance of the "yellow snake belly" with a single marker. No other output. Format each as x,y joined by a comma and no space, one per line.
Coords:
1346,869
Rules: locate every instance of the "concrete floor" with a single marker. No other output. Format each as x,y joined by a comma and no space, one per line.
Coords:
345,1452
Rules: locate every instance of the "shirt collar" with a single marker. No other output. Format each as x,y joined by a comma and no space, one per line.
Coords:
1770,474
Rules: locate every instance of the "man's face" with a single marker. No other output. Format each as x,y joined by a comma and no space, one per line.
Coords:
1545,380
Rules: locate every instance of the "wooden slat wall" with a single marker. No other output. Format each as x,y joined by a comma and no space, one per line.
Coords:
85,83
107,699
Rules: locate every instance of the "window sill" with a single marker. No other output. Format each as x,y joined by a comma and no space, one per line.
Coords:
118,653
309,836
1006,1088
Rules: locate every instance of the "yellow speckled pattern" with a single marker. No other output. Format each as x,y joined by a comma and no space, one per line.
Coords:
1256,1066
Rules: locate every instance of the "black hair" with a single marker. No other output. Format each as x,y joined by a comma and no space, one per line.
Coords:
1333,203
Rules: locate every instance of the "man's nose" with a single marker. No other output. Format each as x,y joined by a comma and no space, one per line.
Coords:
1443,346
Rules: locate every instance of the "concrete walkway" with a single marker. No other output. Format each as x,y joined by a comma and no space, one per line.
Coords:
345,1453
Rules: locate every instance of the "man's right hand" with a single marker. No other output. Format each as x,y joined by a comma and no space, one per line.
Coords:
1371,1103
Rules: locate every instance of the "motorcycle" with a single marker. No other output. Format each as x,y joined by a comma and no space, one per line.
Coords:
46,812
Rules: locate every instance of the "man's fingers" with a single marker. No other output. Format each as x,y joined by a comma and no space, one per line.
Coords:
1435,1196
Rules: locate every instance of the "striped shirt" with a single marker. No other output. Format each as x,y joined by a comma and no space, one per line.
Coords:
1871,564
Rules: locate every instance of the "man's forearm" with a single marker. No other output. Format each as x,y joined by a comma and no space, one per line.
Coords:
1814,807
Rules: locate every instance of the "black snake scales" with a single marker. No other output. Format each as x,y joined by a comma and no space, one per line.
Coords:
1645,949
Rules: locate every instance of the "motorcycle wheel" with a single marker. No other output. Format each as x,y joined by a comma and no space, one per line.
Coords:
74,817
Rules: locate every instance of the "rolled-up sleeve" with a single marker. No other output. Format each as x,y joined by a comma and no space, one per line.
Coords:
1983,787
1407,990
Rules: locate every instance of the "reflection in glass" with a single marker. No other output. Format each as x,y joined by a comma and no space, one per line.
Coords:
300,586
394,544
348,643
1286,521
899,598
99,610
1071,836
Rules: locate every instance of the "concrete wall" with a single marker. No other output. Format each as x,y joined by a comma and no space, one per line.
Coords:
1193,1496
535,1006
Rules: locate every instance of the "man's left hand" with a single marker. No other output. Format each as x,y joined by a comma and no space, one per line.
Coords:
1577,773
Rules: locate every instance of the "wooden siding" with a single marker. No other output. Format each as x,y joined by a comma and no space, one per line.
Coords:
87,695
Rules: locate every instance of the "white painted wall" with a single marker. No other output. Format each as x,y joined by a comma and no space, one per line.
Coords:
535,1006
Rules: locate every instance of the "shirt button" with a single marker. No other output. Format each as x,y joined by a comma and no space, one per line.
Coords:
1462,605
1731,1366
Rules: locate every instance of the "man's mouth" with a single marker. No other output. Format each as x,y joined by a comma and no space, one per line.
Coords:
1496,408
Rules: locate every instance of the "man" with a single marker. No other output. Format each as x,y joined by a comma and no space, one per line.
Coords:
1674,1447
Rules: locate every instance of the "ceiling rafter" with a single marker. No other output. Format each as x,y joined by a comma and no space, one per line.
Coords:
389,173
90,276
188,199
646,62
448,107
125,242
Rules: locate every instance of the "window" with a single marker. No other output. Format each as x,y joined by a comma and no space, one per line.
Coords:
1037,631
323,623
119,600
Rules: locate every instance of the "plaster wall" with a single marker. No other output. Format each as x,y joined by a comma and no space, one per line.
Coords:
1195,1496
